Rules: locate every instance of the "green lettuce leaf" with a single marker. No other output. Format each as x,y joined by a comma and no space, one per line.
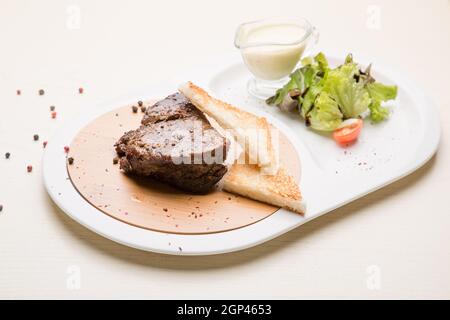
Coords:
350,95
309,98
322,62
377,112
325,116
315,72
296,82
302,79
379,93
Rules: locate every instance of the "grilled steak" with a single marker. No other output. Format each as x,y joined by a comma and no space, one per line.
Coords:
175,144
175,106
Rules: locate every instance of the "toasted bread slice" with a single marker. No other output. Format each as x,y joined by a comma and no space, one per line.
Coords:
234,150
253,133
280,189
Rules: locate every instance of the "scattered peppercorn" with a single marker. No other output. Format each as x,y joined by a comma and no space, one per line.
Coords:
18,92
36,137
115,160
143,108
1,208
29,168
135,109
7,155
44,144
54,114
41,92
70,160
66,149
140,103
52,108
165,209
80,90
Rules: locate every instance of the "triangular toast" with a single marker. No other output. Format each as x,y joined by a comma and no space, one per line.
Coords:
279,189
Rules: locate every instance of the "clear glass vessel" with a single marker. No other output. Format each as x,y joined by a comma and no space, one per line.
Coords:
271,49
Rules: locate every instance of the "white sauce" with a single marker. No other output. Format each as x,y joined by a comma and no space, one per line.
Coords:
264,58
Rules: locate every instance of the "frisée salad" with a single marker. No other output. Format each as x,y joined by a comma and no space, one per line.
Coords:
334,99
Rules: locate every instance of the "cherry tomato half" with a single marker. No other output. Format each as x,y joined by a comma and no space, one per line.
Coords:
348,131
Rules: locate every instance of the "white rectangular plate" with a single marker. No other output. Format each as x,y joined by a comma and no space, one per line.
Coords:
331,175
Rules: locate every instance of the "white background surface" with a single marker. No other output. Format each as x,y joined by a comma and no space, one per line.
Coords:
398,235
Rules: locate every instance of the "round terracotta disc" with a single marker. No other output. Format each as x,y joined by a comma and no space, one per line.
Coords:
146,203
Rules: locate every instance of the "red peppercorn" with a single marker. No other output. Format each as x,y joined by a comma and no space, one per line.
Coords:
44,144
80,90
66,149
29,168
53,114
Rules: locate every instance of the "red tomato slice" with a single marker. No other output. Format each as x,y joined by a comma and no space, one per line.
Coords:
348,131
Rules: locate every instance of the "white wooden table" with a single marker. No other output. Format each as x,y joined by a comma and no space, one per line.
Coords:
393,243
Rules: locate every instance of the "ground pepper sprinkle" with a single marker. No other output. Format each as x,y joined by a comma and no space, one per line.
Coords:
18,92
1,208
70,160
29,168
140,103
143,109
44,144
66,149
7,155
80,90
36,137
52,108
41,92
115,160
135,109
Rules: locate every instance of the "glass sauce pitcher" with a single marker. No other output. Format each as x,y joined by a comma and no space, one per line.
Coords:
271,49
